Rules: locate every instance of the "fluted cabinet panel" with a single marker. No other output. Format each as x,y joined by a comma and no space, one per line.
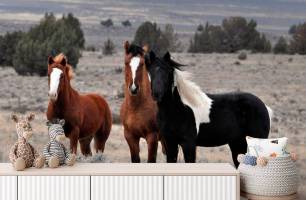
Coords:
127,187
8,187
200,188
53,188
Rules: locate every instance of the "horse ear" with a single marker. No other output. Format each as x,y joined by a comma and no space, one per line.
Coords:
50,60
152,56
64,62
31,117
145,48
14,117
62,122
167,56
69,72
126,46
147,61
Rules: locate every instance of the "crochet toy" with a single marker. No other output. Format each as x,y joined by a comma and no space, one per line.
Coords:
252,160
23,155
55,152
260,161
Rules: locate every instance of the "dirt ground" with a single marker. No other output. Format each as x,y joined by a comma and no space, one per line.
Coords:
280,81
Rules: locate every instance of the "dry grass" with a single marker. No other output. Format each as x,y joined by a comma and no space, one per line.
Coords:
278,82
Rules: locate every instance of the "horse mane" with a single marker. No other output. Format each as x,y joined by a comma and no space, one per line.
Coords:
192,96
59,58
135,50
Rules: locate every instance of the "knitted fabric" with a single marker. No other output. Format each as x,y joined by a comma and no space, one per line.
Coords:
278,178
55,148
22,148
250,160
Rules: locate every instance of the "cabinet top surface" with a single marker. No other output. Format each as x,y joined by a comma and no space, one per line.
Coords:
126,169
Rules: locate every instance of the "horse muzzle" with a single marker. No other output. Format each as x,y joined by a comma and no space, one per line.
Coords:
134,89
156,96
52,96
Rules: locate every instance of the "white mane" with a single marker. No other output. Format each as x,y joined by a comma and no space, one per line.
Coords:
192,96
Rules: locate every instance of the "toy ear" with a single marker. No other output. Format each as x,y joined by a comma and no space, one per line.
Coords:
14,117
62,122
50,60
48,123
152,56
31,116
126,46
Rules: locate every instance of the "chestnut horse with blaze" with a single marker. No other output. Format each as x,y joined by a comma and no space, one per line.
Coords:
138,110
87,116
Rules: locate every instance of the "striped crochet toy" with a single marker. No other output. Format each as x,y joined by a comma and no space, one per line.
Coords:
55,152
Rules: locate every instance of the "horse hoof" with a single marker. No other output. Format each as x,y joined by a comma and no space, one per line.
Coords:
20,164
53,162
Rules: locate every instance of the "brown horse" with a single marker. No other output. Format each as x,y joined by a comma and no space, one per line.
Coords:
138,110
87,116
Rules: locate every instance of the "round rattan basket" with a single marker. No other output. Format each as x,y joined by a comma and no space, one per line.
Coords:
278,178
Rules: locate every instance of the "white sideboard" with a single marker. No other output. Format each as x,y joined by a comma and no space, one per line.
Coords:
126,181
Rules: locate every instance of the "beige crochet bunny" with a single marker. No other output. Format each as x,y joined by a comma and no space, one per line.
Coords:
22,154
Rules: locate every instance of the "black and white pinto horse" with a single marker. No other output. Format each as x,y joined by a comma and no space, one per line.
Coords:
188,117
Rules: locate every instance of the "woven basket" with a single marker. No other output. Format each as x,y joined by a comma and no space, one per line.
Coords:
278,178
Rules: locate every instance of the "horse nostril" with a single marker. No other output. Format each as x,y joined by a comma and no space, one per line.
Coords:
133,89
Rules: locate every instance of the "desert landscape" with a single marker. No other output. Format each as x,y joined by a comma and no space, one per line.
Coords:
279,80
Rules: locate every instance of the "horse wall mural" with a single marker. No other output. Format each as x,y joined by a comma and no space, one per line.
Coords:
160,103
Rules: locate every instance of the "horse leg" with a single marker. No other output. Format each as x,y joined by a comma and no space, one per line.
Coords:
100,140
171,150
238,147
74,136
133,143
162,142
152,142
85,146
189,150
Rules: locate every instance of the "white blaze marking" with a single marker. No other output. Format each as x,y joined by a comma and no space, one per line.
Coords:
54,80
134,66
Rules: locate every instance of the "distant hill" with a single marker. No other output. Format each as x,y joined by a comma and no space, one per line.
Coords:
273,16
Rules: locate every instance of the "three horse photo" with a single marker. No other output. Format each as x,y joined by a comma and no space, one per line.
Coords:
129,81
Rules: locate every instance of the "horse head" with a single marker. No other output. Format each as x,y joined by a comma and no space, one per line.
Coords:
134,67
161,71
59,75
